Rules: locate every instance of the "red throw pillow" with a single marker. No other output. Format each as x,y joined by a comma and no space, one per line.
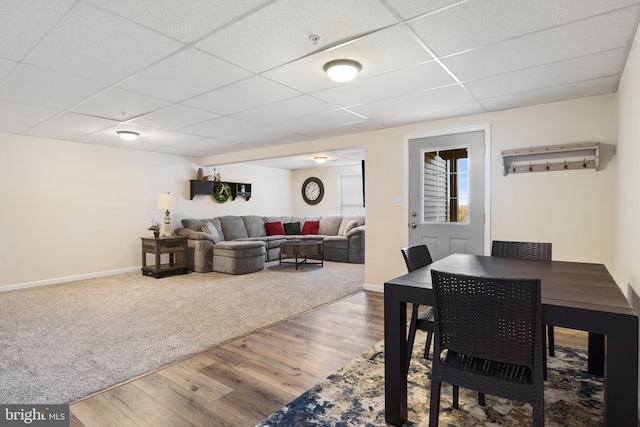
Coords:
310,227
274,228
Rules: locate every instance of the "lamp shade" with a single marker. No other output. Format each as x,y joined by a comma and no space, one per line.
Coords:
166,201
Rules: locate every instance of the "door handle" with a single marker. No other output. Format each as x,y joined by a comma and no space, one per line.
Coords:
414,225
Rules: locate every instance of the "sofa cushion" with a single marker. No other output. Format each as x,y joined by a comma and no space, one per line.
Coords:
291,228
346,220
274,228
329,225
211,229
233,227
350,226
254,225
194,224
310,227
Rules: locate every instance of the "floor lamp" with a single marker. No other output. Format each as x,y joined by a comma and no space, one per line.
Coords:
166,201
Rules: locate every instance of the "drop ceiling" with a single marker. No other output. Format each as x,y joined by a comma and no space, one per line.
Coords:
203,77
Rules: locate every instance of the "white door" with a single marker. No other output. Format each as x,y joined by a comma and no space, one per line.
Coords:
446,193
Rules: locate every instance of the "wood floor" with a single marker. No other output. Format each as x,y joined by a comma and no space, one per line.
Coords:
243,381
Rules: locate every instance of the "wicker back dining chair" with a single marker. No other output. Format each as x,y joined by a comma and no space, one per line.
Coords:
417,257
526,250
488,339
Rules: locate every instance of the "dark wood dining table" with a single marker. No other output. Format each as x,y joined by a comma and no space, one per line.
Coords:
575,295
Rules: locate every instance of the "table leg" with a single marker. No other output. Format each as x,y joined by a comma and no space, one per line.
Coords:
595,364
621,374
395,362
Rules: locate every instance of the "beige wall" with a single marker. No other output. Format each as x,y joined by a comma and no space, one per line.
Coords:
330,177
627,241
73,210
571,209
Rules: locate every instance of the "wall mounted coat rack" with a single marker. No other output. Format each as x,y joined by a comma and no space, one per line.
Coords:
580,155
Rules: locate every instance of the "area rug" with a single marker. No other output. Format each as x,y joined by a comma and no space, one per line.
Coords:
62,342
354,396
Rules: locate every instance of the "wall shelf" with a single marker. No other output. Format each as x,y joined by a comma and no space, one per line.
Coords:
580,155
200,187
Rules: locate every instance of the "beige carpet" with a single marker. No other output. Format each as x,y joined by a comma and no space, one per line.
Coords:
62,342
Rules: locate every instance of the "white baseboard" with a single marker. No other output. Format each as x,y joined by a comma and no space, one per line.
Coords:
67,279
373,288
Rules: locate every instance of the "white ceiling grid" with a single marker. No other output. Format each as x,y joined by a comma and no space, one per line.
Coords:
204,77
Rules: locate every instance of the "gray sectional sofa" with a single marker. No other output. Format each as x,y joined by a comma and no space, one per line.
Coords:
337,245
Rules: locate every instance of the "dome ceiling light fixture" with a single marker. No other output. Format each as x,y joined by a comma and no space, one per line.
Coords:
320,159
128,135
342,70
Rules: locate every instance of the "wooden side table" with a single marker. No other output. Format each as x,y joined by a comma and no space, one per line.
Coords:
175,246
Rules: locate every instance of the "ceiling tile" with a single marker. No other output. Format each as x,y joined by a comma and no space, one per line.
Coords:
24,23
605,32
17,118
184,75
210,146
408,9
556,74
250,93
256,134
292,108
119,104
570,91
6,66
219,126
35,85
70,126
319,121
172,139
425,100
470,25
397,83
174,117
463,109
99,46
280,32
396,45
202,16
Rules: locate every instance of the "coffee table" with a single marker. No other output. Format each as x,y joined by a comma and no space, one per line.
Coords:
302,249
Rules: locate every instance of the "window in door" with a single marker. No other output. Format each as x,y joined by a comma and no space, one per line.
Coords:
446,186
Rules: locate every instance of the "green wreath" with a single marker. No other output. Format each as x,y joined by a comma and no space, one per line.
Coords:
222,193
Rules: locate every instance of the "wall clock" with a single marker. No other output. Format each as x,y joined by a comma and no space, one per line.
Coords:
312,190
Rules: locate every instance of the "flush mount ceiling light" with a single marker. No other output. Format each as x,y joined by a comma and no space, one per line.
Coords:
342,70
321,159
128,135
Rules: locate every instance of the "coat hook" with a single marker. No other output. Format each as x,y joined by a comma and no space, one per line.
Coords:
565,164
547,165
514,168
530,168
584,163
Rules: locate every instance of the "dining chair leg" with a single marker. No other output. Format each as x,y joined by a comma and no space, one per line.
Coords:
456,396
551,341
434,404
412,331
481,400
427,346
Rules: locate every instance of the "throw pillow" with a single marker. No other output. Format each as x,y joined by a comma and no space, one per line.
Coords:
350,226
274,228
310,227
292,228
211,229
